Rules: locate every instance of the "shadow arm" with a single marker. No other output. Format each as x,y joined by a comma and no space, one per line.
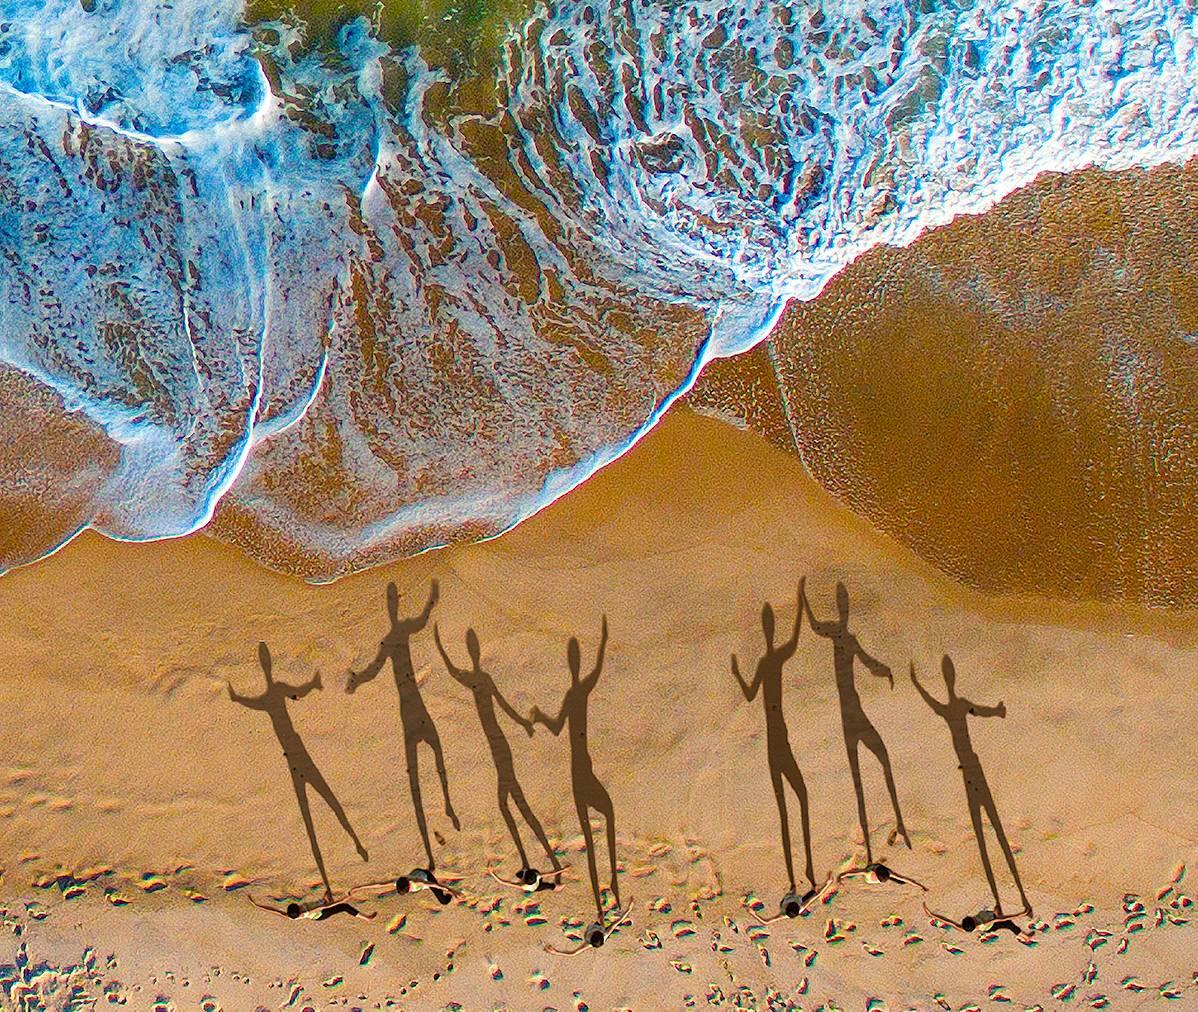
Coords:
749,689
793,643
823,628
874,666
433,593
510,710
555,724
928,698
371,669
253,702
977,710
299,691
449,665
593,677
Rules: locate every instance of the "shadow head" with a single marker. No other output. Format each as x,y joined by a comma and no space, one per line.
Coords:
767,623
472,647
949,672
842,602
393,601
574,657
264,659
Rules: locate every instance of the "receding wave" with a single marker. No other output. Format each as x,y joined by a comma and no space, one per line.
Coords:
357,302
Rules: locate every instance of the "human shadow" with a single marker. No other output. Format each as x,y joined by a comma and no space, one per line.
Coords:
589,793
783,768
955,712
418,725
857,727
304,774
486,695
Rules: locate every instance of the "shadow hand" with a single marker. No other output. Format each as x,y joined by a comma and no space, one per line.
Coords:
351,683
317,682
1001,708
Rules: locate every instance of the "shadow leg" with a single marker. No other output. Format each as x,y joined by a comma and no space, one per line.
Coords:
321,786
601,800
1005,844
584,820
505,809
975,815
434,742
417,800
301,795
795,776
873,741
534,824
853,745
783,822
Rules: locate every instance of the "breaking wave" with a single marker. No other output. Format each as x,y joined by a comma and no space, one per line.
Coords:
366,304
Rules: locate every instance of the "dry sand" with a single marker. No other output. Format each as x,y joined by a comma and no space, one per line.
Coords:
139,806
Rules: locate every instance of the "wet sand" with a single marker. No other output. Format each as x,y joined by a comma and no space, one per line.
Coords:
139,806
1014,396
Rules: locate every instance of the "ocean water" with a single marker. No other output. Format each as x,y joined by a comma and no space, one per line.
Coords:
366,297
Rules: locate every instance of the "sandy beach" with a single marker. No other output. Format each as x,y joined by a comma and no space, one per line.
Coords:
141,807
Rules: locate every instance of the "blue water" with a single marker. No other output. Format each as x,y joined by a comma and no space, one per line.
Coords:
370,324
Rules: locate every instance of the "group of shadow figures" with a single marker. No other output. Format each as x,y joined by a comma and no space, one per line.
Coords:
589,793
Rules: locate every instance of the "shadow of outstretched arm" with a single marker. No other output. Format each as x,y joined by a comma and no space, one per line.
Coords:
928,698
253,702
977,710
414,625
593,678
874,666
299,691
749,689
356,678
555,724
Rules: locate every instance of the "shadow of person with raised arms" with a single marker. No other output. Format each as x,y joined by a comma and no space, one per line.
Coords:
417,723
955,712
768,681
589,793
486,695
304,774
858,729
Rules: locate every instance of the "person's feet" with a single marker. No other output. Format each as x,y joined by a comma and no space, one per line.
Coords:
899,830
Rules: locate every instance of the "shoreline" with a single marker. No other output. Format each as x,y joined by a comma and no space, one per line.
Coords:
132,777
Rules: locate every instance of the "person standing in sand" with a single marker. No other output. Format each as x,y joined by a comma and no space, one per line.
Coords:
858,729
589,793
304,774
956,712
768,680
417,723
486,695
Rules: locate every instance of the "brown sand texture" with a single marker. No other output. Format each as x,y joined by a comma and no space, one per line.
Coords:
141,808
1015,395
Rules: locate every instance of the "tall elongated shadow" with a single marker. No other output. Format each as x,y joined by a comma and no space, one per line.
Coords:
486,695
418,725
857,727
304,774
783,768
589,794
955,712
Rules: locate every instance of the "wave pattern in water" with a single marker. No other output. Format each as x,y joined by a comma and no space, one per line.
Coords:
368,306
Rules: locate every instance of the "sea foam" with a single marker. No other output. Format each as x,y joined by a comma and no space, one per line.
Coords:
326,292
